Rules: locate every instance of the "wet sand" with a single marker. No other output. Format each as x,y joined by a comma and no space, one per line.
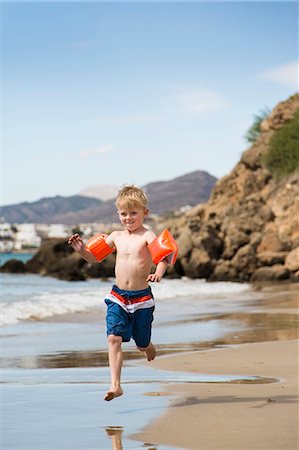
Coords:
242,416
232,416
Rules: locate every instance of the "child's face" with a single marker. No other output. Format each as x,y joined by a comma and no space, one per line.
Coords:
132,218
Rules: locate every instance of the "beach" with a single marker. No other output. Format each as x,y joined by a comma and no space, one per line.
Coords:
226,368
262,415
229,415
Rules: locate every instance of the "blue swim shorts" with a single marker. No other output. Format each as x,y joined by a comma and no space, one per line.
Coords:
136,325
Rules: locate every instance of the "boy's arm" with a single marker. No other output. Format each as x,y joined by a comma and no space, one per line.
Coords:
160,267
76,242
159,272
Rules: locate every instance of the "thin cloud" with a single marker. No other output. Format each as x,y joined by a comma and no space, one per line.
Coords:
85,154
286,74
134,119
198,100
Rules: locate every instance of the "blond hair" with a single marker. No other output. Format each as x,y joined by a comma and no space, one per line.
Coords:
131,196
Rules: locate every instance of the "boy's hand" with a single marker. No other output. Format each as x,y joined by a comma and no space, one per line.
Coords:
154,277
160,270
76,242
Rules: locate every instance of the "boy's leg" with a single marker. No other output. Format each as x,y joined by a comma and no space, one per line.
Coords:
150,351
118,331
115,363
142,329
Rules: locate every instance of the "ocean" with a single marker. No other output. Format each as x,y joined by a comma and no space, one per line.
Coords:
54,358
24,257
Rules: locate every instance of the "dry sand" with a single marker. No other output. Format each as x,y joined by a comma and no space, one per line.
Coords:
223,416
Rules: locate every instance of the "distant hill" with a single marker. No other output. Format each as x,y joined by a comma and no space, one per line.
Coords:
189,189
164,196
100,191
47,209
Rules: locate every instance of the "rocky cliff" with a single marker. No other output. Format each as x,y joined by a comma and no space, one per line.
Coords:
249,228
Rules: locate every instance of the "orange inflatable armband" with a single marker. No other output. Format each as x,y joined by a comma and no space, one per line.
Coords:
98,247
163,246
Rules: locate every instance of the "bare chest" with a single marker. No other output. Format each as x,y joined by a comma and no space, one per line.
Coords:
133,246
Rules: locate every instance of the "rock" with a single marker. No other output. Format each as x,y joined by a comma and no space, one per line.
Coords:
199,265
270,241
277,272
271,258
68,267
292,260
281,114
56,258
252,157
234,239
184,242
13,266
244,262
51,251
104,269
224,271
209,241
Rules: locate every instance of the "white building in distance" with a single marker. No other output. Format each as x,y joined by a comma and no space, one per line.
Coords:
26,237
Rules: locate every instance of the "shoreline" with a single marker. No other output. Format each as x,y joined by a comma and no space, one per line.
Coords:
231,416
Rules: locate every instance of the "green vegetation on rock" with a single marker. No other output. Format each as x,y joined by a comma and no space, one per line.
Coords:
282,158
255,130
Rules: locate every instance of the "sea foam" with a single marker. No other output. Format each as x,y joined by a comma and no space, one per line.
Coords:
65,299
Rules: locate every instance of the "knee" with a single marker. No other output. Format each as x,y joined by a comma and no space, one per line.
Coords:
114,340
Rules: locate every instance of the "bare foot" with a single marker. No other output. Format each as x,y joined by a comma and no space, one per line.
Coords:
150,352
113,393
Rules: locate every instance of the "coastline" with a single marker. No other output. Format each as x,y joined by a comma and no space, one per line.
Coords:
231,416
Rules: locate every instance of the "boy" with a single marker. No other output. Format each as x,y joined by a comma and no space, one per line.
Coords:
130,304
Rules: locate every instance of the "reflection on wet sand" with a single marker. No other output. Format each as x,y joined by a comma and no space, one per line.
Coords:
254,327
115,433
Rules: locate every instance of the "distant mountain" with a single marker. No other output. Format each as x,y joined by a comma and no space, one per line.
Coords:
47,209
164,196
101,191
186,190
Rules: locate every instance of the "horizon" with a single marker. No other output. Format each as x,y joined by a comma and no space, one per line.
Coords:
136,92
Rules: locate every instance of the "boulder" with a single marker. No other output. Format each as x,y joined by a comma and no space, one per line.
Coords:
13,266
184,242
277,272
56,258
199,265
244,262
292,260
271,258
224,271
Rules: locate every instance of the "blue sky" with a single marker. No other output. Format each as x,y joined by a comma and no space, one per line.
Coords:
127,92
